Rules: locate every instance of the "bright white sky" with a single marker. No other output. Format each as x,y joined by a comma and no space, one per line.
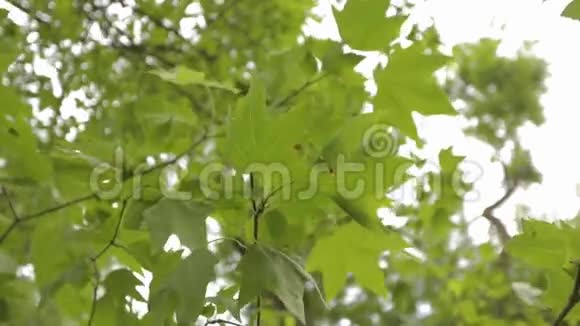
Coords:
552,145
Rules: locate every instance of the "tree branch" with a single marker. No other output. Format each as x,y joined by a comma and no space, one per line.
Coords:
59,207
572,300
95,194
510,191
488,213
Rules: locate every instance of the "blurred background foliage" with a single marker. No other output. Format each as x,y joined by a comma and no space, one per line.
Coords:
83,78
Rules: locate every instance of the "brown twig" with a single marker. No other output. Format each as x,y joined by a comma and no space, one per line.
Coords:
489,215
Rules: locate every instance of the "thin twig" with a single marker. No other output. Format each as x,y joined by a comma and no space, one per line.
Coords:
259,310
10,205
113,239
230,239
299,90
275,191
8,230
16,218
59,207
93,259
256,212
221,321
489,215
27,218
506,196
572,300
95,294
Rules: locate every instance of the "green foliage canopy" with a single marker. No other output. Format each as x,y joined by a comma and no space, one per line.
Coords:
182,111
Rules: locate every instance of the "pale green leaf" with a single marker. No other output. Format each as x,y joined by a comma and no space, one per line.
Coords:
408,84
353,249
541,245
364,26
186,219
186,282
264,270
181,75
7,264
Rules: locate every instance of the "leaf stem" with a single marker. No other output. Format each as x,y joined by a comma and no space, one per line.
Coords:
221,321
95,293
572,300
113,240
16,219
256,212
10,204
96,257
238,242
293,94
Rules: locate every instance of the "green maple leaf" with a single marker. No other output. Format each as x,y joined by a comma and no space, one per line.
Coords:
363,25
407,84
448,161
272,144
186,219
353,249
572,10
264,269
181,286
246,141
545,245
362,172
